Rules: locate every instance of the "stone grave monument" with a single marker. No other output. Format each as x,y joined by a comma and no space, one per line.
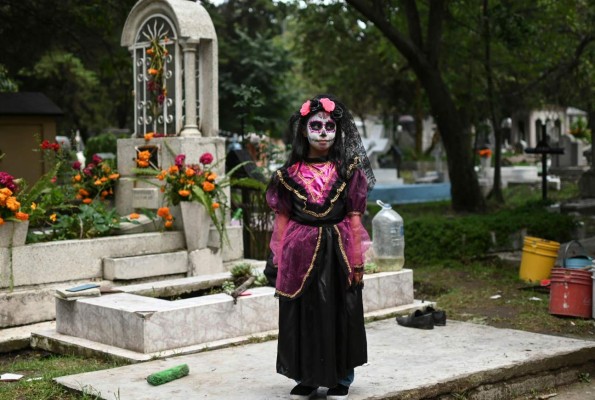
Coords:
173,45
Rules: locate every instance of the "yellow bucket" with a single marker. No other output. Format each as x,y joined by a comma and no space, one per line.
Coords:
538,259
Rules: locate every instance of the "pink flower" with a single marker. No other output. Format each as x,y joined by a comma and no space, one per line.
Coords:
76,165
206,158
305,110
327,104
179,161
96,159
54,179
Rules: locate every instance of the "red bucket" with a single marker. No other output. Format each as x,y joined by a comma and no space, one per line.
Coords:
571,292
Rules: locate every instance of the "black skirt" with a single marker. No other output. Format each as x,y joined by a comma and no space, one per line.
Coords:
321,333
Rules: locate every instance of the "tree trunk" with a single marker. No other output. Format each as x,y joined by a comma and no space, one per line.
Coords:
465,192
423,58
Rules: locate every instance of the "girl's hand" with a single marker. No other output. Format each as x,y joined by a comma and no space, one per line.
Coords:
358,274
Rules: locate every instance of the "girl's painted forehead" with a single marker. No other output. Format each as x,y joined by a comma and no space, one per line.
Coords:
320,116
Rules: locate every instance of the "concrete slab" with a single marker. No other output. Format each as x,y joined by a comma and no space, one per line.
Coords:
18,338
403,363
146,266
51,340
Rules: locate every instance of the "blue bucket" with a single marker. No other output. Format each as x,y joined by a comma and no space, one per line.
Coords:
580,261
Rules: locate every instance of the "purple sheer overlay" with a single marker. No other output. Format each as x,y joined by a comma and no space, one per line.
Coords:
358,192
316,178
280,202
295,246
297,259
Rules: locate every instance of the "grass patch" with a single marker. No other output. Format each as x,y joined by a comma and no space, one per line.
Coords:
47,366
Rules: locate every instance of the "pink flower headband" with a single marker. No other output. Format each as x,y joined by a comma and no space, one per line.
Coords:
325,104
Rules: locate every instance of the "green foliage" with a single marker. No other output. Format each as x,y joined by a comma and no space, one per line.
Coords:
241,270
439,238
71,85
103,143
86,221
7,84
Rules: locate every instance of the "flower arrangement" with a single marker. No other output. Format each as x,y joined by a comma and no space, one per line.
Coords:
484,153
156,84
96,180
193,182
10,207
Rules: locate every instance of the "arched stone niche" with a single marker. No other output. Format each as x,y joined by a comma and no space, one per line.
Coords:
180,98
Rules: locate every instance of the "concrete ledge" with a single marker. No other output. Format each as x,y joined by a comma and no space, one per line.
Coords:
136,267
69,260
147,324
50,340
12,339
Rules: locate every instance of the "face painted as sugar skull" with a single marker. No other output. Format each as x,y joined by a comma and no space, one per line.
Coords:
321,131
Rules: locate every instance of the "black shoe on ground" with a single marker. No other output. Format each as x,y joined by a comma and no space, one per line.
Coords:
417,319
339,392
302,392
439,316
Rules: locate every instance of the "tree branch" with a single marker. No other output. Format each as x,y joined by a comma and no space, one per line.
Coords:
405,46
436,17
413,23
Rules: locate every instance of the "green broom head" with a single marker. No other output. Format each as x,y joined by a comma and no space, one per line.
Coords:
168,375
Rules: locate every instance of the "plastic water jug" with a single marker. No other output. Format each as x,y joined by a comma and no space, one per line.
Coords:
388,236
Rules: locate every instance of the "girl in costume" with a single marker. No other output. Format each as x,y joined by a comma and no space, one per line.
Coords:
318,198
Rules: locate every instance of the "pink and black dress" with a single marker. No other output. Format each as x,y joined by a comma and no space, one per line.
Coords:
315,245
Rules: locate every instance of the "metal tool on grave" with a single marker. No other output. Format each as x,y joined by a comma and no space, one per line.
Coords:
544,149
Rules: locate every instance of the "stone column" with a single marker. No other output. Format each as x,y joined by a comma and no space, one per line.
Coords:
189,48
208,91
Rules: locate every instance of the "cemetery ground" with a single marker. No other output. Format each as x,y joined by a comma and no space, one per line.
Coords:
484,290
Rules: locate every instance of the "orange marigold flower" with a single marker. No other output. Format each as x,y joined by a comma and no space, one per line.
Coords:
1,221
174,169
33,206
208,186
162,175
77,178
184,193
3,199
163,212
21,216
12,204
103,179
162,189
144,155
142,163
104,193
78,197
190,172
150,52
98,182
134,216
215,205
83,192
153,71
169,217
114,176
149,136
53,217
6,191
212,176
169,224
87,200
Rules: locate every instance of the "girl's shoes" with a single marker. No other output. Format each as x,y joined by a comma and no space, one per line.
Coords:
339,392
302,392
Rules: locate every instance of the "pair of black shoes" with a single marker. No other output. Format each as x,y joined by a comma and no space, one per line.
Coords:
423,319
302,392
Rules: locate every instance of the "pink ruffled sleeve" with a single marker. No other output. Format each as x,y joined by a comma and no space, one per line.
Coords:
356,206
279,201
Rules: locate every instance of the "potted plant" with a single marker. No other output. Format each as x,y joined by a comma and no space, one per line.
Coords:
13,222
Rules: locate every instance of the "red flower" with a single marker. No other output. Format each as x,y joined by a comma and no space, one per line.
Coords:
206,158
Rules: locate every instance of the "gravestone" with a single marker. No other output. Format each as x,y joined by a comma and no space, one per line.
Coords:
173,45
